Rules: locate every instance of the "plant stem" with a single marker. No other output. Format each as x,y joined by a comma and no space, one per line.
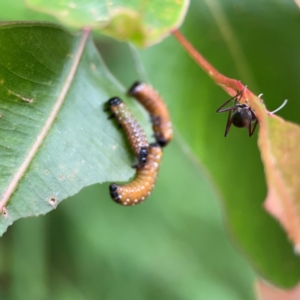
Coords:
231,86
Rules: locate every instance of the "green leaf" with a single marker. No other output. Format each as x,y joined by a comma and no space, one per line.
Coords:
141,22
17,10
256,49
173,246
55,136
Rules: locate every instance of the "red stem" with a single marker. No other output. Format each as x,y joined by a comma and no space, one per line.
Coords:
231,86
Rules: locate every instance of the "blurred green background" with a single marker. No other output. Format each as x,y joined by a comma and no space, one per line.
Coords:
174,246
171,247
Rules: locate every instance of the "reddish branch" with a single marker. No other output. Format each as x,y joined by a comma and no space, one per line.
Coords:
231,86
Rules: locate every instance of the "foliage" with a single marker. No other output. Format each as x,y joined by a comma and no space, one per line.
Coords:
174,245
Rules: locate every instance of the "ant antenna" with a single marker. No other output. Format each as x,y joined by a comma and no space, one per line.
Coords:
279,108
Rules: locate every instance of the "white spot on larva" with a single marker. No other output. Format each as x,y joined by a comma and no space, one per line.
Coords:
143,198
136,201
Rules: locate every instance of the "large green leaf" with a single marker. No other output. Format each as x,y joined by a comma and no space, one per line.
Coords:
181,253
141,22
17,10
173,246
281,264
247,42
55,137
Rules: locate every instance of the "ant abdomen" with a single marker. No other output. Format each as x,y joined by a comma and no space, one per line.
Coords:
242,117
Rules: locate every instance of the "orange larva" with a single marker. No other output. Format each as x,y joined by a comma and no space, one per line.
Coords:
140,188
135,133
157,109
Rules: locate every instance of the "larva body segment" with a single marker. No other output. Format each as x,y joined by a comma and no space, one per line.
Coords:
161,121
140,188
134,132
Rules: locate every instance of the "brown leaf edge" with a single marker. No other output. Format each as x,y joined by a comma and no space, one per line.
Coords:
266,291
279,143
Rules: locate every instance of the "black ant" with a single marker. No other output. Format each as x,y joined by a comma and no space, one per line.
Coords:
242,114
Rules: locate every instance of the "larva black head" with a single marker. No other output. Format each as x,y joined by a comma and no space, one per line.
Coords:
134,87
143,155
113,187
115,101
113,192
162,141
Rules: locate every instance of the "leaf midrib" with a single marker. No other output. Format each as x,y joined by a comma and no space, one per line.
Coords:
47,125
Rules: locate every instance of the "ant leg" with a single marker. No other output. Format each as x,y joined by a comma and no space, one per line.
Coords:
251,130
220,110
227,109
229,122
236,98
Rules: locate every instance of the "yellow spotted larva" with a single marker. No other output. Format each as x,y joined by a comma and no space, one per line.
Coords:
140,188
135,133
157,109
